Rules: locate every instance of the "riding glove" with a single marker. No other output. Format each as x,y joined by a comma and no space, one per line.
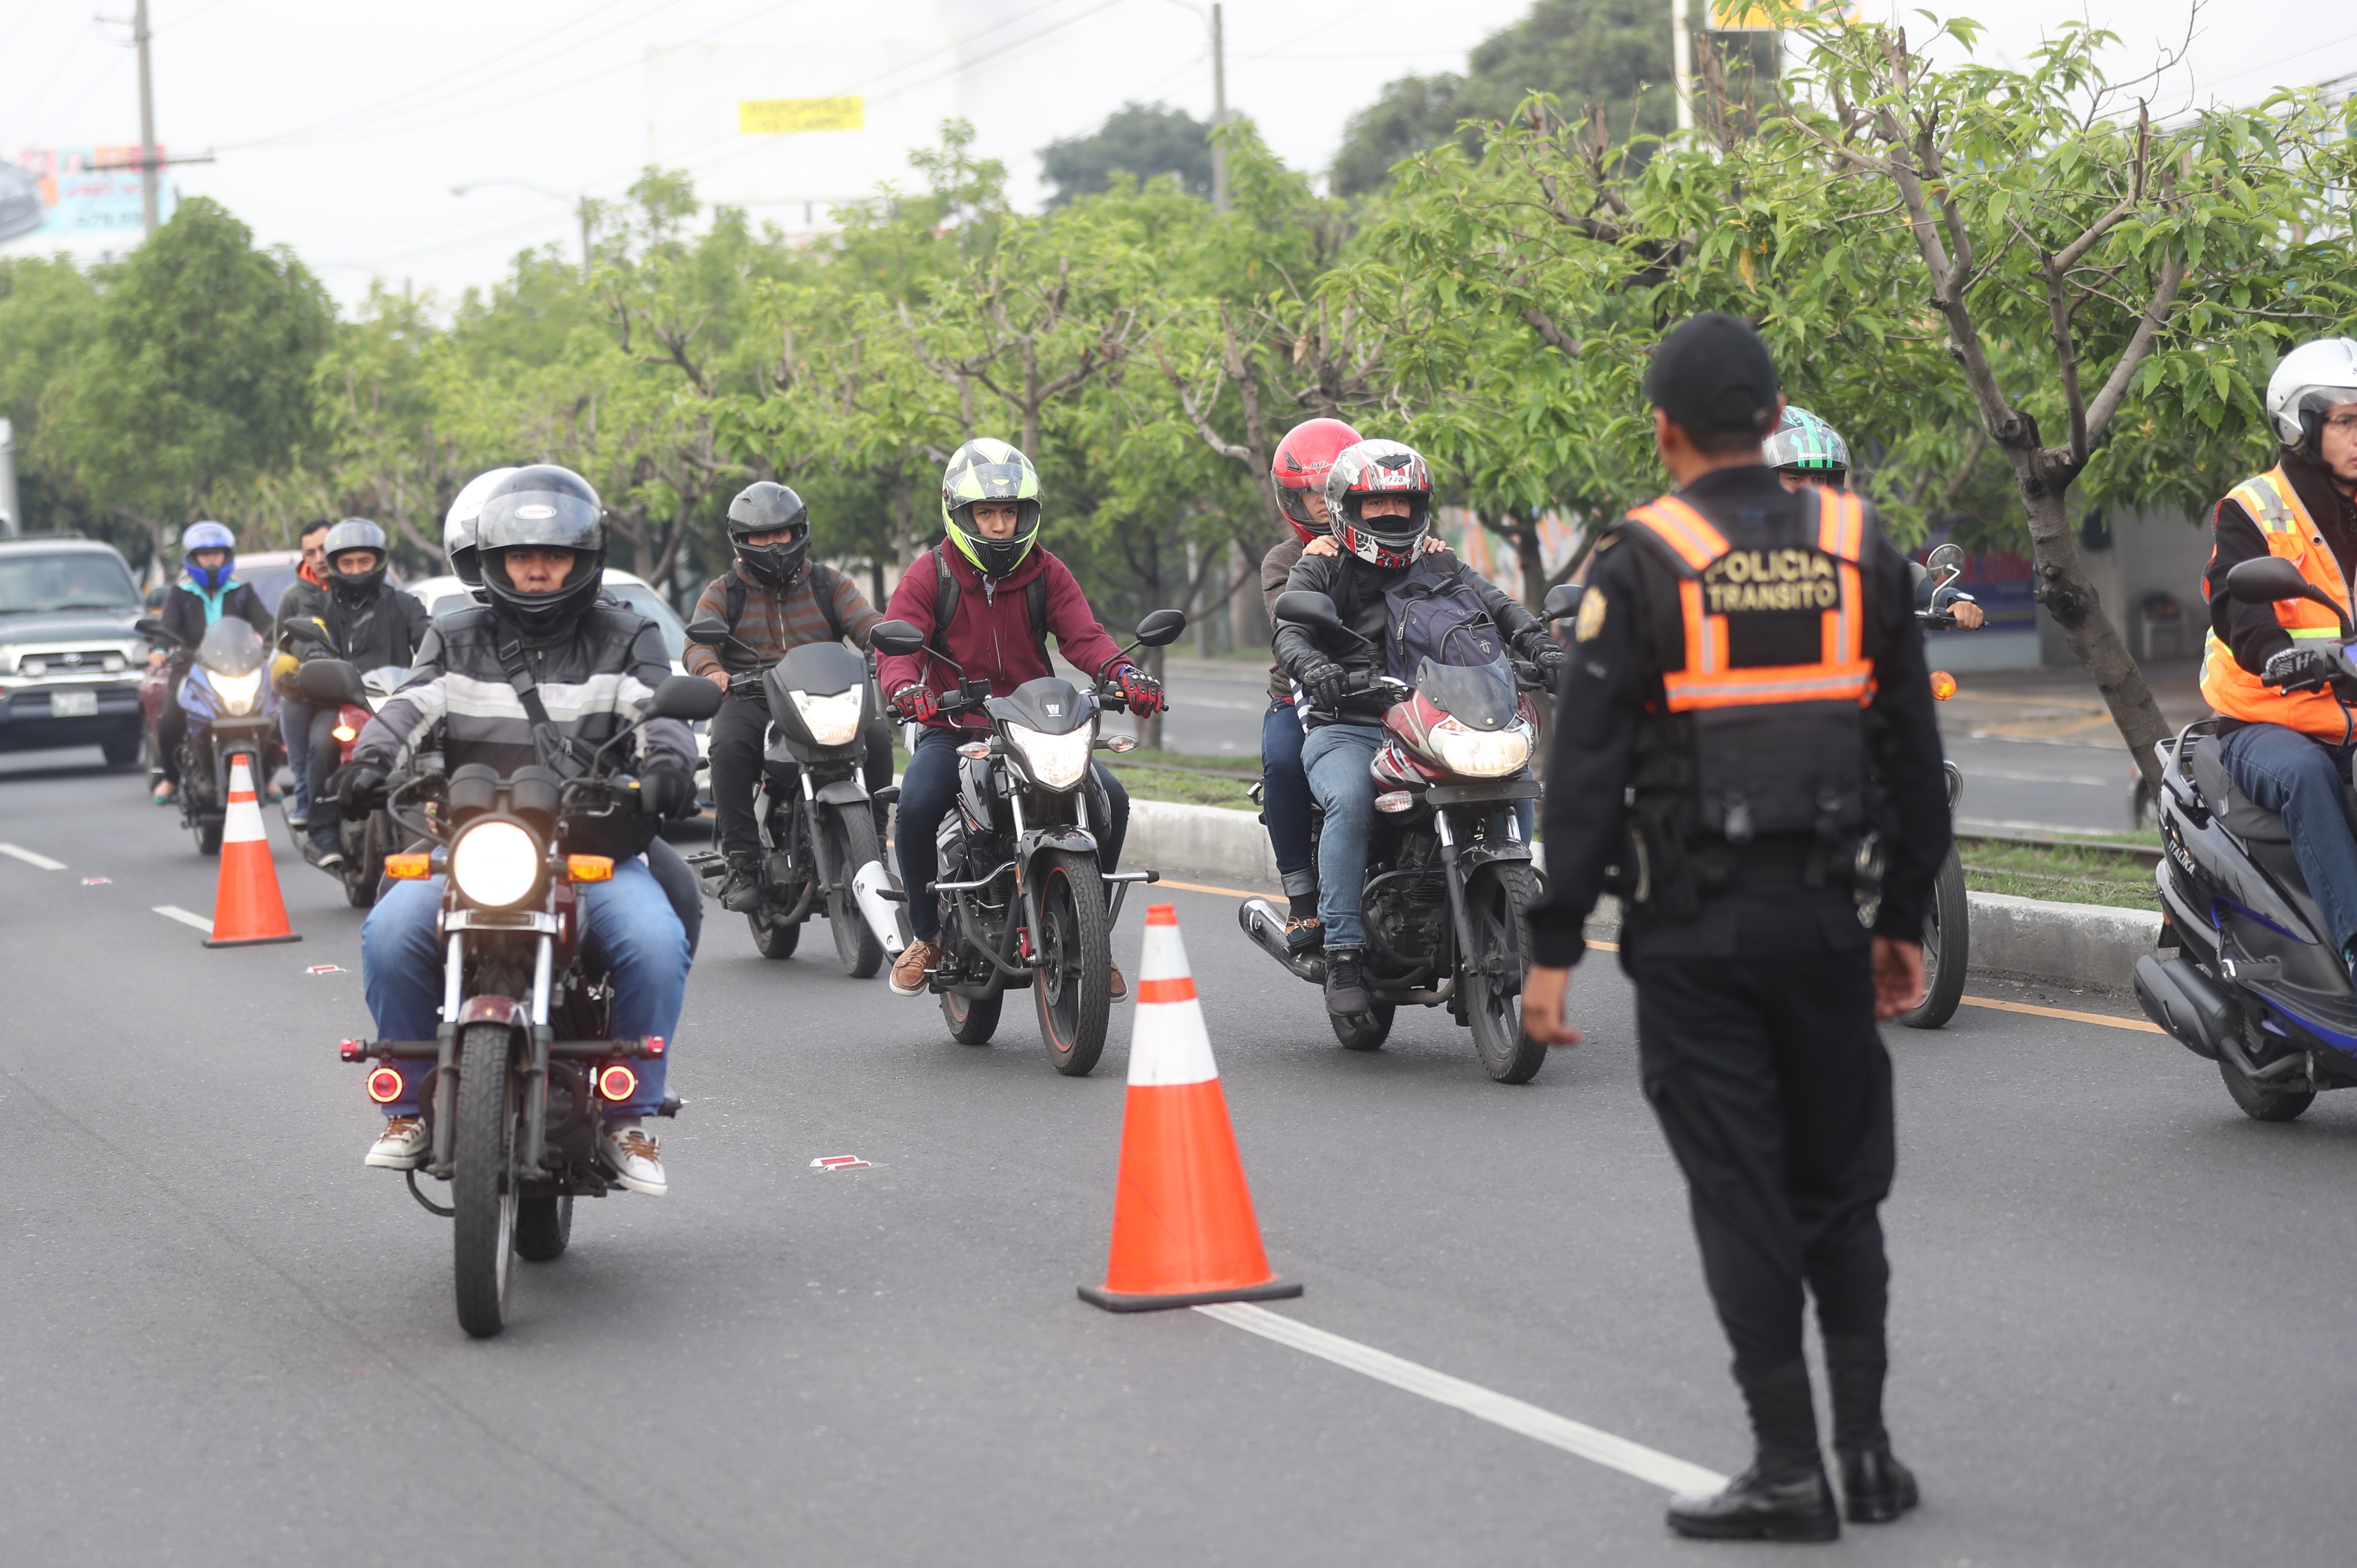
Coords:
360,789
915,704
666,791
2300,667
1142,692
1324,681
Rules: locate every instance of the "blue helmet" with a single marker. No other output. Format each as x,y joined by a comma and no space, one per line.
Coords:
208,536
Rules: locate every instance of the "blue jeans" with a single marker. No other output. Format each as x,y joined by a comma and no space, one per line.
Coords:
1285,797
2287,772
627,923
928,790
1336,758
295,727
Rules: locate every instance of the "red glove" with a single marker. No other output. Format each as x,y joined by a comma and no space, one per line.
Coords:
1142,692
915,703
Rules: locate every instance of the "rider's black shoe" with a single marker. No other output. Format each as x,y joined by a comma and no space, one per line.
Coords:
1875,1488
1761,1504
1346,982
741,891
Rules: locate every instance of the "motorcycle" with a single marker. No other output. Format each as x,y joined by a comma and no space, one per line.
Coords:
366,843
2258,984
1449,877
1947,920
821,850
232,714
523,1066
1023,901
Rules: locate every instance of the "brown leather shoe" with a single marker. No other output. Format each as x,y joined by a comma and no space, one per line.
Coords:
1118,990
908,968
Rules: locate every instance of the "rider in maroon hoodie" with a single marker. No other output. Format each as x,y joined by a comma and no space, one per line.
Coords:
1005,597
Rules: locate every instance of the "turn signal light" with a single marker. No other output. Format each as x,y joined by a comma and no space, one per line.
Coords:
409,867
617,1083
1394,800
346,734
589,867
978,750
655,1045
385,1086
1944,686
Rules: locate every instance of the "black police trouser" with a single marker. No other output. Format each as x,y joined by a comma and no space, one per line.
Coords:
739,735
1774,1090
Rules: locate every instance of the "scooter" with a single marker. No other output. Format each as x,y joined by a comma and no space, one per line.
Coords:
2257,984
1947,917
1449,877
232,714
366,843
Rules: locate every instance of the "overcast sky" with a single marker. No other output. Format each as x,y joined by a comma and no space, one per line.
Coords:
341,127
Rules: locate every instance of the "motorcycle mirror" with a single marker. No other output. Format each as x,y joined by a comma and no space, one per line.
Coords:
708,629
2268,578
1306,607
689,697
894,637
332,681
1562,601
1161,627
1947,559
152,626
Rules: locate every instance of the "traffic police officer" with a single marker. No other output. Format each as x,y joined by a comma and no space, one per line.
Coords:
1745,750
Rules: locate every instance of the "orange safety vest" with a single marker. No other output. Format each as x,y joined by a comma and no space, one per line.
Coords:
2292,535
1765,580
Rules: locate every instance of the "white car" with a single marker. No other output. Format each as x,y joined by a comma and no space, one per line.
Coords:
442,594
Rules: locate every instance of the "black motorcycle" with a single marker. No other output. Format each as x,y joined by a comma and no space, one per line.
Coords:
822,851
1023,901
524,1063
1947,915
2258,983
367,840
232,717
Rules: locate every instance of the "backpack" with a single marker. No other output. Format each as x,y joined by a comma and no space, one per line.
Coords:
1440,615
821,578
945,604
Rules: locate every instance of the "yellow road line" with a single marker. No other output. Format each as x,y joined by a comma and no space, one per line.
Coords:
2105,1020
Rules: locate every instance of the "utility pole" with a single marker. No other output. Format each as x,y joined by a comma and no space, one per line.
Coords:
1219,110
1682,54
147,171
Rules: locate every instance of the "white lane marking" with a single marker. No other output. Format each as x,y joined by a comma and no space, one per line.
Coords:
1514,1414
174,912
29,858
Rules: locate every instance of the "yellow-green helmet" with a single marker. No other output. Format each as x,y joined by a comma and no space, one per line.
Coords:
988,469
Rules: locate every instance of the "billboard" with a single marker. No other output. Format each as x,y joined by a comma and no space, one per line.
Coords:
803,123
57,195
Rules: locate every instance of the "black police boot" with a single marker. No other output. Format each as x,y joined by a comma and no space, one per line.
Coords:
1784,1495
1875,1488
1346,982
742,890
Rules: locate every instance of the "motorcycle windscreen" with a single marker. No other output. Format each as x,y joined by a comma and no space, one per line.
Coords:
230,646
1479,696
1051,705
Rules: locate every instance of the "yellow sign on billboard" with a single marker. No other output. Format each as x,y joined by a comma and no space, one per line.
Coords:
772,116
1739,17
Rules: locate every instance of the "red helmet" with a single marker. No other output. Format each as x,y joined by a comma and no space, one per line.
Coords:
1299,469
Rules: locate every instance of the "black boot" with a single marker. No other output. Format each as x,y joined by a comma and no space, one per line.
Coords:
742,890
1784,1495
1346,982
1875,1488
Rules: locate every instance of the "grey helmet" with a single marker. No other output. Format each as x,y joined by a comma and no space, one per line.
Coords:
356,533
2308,382
765,507
543,507
458,525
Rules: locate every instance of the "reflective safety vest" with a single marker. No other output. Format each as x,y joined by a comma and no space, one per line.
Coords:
2291,534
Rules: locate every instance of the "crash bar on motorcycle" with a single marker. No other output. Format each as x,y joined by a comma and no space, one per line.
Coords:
977,883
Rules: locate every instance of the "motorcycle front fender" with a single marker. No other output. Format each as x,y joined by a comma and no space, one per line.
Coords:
842,792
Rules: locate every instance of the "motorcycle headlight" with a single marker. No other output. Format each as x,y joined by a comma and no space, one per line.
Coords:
832,721
1055,761
238,692
495,863
1481,754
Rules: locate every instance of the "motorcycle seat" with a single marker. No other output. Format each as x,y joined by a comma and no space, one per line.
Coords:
2234,812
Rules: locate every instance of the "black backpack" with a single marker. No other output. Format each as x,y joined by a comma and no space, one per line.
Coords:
1440,615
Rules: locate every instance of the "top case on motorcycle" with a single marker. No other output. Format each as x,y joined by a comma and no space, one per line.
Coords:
2235,812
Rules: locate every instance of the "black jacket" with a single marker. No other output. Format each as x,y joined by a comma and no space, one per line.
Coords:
388,629
2252,631
1614,678
1357,590
183,611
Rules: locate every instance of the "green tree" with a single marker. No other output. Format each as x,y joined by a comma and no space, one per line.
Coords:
1139,139
49,315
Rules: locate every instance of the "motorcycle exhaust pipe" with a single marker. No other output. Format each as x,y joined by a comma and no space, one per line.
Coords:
1265,926
868,884
2181,1000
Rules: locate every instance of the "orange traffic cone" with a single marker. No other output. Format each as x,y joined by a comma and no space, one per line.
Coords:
1183,1230
248,910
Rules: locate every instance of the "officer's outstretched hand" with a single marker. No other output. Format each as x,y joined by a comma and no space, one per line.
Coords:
1543,993
1897,977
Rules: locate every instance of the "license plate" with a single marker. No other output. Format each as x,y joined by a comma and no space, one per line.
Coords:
73,704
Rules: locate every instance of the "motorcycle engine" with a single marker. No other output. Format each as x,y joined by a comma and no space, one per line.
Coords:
1406,907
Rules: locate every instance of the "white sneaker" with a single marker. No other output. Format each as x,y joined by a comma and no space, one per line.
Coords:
636,1159
403,1147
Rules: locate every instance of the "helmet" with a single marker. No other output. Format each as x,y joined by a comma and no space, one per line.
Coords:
1803,443
458,525
356,533
987,469
763,507
2309,380
543,507
1380,468
1300,469
208,536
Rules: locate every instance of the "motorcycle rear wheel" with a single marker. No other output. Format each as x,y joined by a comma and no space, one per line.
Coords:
972,1020
1496,898
1947,947
2261,1104
544,1226
1072,991
482,1180
1364,1031
856,947
773,939
209,835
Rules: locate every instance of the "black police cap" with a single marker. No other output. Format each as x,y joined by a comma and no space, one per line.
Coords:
1712,375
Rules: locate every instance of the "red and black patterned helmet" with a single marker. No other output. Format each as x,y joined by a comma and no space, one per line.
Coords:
1299,468
1374,469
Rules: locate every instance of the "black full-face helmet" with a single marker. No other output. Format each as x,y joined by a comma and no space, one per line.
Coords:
764,507
543,507
356,533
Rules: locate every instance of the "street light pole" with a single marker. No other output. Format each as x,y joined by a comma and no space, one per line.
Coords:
148,202
1681,55
1219,110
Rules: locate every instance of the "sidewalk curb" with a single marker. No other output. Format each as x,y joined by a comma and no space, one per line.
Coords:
2088,947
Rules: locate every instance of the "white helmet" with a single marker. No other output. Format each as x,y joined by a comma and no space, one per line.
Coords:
2309,380
458,525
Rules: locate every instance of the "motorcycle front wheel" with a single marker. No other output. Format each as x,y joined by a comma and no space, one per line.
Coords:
1947,947
1074,988
482,1180
1496,897
855,946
